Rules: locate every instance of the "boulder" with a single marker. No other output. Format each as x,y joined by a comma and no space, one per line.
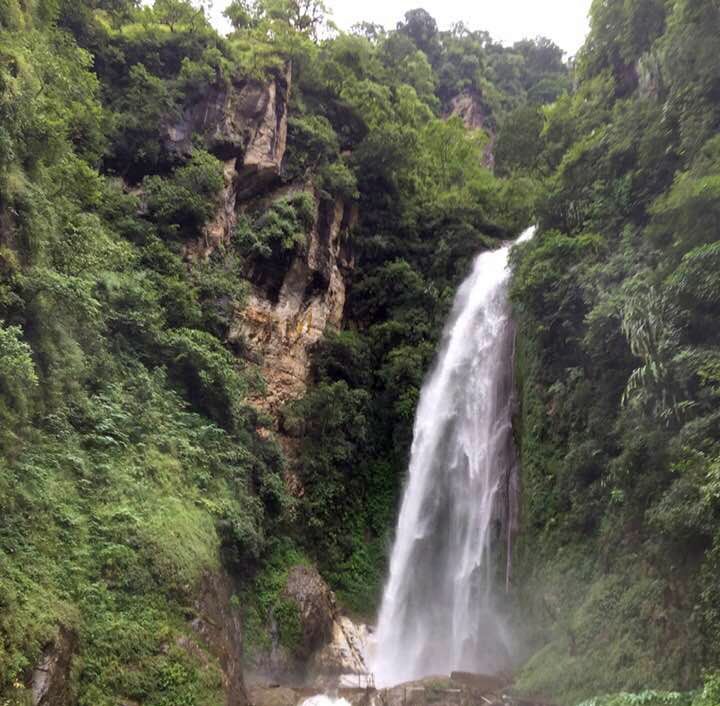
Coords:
316,607
345,653
328,646
263,695
51,679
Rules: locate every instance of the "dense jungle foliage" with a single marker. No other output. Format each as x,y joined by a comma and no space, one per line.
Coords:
617,300
131,462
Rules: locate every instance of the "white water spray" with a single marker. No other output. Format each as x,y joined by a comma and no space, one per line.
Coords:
325,700
438,612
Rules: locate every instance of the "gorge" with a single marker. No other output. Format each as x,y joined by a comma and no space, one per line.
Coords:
270,370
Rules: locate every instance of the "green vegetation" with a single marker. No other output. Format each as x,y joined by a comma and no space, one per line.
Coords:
427,207
266,605
278,231
707,696
131,464
617,361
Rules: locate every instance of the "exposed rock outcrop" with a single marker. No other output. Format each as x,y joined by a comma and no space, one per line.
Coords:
219,624
51,679
245,119
244,124
327,644
316,608
280,329
264,695
469,107
649,72
266,147
219,230
292,303
345,652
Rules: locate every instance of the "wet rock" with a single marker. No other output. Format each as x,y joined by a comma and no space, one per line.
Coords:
263,695
485,683
461,689
345,653
51,679
329,646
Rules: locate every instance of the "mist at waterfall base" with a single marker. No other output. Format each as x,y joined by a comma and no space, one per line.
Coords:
439,611
325,700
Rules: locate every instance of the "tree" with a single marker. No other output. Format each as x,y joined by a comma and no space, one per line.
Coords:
420,26
518,144
176,13
303,16
240,14
369,30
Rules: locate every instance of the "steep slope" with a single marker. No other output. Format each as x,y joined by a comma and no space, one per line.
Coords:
618,349
134,480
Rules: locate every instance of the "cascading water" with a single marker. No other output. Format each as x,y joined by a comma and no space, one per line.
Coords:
438,612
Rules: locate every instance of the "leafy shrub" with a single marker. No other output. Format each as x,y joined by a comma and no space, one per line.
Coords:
208,372
17,369
265,603
184,202
337,180
644,698
280,229
312,143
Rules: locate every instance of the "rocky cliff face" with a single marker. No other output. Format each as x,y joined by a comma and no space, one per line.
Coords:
292,303
246,119
52,677
649,73
219,625
280,329
329,645
468,107
245,124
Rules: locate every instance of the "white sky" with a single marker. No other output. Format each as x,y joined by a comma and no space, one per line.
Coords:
564,21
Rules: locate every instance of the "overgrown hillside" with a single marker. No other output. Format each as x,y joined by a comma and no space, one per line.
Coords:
617,300
225,263
142,496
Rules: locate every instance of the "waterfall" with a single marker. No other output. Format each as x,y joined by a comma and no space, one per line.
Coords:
438,611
